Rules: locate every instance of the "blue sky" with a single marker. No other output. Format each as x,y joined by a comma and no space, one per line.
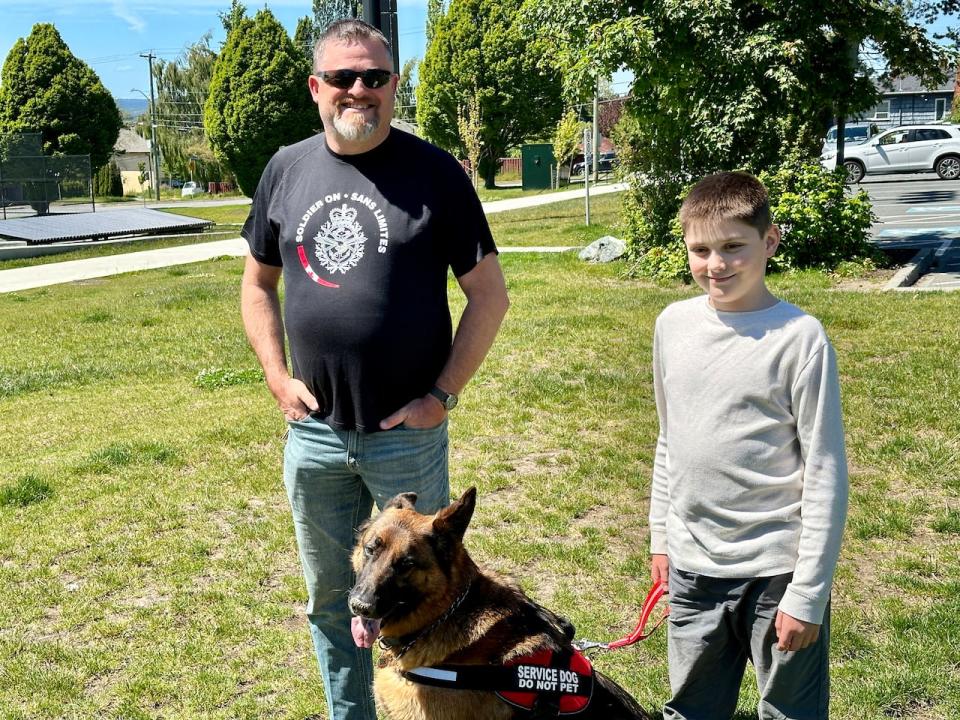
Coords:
109,35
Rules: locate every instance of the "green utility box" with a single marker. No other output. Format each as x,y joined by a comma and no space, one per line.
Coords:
537,165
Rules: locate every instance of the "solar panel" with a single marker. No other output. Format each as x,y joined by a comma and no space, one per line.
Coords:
96,226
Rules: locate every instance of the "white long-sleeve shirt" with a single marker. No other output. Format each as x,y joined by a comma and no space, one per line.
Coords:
750,474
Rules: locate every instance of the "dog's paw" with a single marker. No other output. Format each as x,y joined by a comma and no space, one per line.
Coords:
364,631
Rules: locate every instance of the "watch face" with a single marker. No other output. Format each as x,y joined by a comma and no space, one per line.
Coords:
448,400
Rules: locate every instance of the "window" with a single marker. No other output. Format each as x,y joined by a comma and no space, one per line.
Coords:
932,134
900,136
882,111
941,109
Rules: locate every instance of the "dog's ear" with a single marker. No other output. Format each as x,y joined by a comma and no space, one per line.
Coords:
403,501
455,517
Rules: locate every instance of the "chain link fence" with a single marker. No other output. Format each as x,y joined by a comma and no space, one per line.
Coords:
32,183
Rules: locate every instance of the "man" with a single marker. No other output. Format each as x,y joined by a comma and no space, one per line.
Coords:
363,222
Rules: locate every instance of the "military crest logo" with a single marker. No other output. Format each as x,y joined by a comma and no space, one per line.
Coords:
340,242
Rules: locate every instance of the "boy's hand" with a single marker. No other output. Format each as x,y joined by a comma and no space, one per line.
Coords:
660,569
793,634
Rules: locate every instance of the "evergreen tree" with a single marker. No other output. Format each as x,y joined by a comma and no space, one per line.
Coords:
107,182
328,11
259,100
182,88
47,89
434,14
406,107
478,52
304,38
233,16
309,29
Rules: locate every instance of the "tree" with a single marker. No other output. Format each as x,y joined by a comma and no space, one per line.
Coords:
435,13
328,11
107,181
258,98
325,12
406,107
469,126
566,139
47,89
182,88
721,85
610,111
233,16
303,38
478,50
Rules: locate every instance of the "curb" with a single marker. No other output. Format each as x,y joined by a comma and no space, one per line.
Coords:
911,272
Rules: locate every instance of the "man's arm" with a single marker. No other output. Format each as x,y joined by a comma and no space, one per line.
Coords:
260,309
487,303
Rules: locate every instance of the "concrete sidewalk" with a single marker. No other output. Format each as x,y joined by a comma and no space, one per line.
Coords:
74,270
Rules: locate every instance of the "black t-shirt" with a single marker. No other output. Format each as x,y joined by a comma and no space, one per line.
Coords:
365,242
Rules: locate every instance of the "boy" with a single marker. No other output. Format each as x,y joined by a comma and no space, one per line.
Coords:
749,491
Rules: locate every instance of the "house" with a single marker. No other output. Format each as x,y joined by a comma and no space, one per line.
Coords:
131,153
905,101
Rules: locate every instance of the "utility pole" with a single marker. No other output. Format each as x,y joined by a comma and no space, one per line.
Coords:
382,14
154,145
596,131
586,174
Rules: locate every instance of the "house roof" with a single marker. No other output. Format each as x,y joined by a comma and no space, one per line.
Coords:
129,142
911,85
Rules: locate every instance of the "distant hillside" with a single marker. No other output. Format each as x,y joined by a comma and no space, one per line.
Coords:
131,108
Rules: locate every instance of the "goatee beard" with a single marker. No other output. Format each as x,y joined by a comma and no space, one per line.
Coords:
354,131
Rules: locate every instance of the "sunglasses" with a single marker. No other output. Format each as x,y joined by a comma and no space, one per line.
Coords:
344,79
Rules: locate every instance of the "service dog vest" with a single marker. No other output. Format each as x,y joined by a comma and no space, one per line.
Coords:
545,682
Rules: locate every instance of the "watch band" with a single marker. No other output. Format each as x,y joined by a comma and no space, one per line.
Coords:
448,400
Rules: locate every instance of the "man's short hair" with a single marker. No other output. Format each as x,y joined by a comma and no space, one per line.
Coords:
348,30
727,196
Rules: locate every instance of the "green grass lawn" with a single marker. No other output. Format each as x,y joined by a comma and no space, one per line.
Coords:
147,561
559,224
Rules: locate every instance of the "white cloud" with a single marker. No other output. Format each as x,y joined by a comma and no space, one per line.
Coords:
123,12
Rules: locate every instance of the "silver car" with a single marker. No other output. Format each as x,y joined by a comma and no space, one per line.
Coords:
907,149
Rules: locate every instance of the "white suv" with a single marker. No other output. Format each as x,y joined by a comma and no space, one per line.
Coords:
914,148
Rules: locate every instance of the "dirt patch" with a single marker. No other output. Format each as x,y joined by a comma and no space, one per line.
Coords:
538,462
871,282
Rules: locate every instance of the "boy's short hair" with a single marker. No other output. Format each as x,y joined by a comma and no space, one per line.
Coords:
728,196
347,30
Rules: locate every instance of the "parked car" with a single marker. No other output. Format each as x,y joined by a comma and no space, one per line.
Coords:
853,134
910,148
190,188
606,161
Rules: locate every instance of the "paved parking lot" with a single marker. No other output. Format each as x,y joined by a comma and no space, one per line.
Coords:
917,211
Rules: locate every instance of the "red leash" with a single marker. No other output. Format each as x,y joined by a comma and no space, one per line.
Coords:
653,597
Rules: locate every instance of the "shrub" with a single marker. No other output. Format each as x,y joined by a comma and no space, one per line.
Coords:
822,226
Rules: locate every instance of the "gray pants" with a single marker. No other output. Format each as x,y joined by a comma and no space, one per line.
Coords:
716,625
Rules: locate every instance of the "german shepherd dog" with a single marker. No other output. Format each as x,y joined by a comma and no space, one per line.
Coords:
439,612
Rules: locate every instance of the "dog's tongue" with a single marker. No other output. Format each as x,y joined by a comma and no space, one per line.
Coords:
364,631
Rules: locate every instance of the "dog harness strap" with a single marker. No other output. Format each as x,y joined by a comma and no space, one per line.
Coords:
561,683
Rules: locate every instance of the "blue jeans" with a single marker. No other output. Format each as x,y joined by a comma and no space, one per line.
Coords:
716,625
332,478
